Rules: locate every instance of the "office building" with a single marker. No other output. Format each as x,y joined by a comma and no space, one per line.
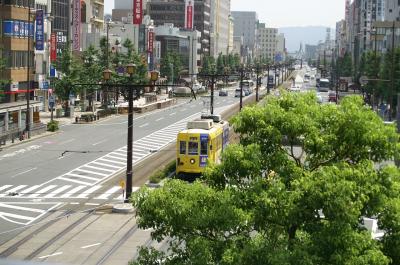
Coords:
173,11
267,42
220,23
92,18
61,25
246,26
17,50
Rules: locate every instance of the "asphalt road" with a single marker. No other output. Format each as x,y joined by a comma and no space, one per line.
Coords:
40,176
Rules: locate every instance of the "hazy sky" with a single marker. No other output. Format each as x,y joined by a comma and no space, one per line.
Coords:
282,13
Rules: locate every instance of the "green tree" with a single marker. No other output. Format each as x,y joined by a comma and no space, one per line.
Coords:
294,191
220,64
70,68
171,66
91,73
345,66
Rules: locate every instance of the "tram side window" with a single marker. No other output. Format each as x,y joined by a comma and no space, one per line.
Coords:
203,148
193,148
182,148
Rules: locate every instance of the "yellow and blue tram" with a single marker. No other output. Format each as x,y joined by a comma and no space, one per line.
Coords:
202,141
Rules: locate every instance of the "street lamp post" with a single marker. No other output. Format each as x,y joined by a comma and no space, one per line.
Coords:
268,79
257,82
241,87
28,77
131,69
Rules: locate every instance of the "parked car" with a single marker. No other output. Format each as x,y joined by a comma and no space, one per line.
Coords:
223,93
246,91
237,93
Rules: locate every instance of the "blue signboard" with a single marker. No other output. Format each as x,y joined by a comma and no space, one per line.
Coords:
39,31
52,71
278,58
17,28
8,27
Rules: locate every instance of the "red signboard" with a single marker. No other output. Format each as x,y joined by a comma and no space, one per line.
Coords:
137,12
150,42
53,47
189,14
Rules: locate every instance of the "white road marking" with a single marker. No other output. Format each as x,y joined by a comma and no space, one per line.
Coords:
73,191
172,114
107,165
144,125
19,174
100,168
116,157
28,190
160,119
4,205
75,181
57,191
20,187
91,172
86,193
89,246
42,191
92,204
5,187
112,161
108,193
105,140
51,255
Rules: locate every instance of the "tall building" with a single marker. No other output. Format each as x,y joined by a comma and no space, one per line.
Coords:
92,19
392,10
123,10
17,48
246,26
220,22
280,53
230,34
267,42
14,44
61,25
173,11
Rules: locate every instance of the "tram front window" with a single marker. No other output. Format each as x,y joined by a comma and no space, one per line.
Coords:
193,148
182,148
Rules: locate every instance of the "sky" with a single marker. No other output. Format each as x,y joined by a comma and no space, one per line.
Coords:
286,13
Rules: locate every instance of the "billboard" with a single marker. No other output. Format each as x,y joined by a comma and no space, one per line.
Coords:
39,34
53,47
189,14
76,25
150,48
137,12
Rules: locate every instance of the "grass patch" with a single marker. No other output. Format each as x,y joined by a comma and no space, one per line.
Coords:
161,174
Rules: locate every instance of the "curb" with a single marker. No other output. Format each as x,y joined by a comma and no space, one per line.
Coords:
46,134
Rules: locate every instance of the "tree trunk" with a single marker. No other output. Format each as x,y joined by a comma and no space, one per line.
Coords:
292,235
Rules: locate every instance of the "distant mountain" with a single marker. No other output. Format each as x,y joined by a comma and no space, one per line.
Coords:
306,35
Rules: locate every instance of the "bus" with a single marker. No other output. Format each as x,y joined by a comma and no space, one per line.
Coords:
324,85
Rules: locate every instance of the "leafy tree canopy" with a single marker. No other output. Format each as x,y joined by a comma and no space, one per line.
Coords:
294,191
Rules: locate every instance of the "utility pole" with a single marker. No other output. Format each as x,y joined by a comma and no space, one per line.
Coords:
268,80
257,82
212,94
241,87
393,72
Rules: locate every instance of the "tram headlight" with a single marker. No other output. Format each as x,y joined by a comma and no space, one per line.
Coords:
192,161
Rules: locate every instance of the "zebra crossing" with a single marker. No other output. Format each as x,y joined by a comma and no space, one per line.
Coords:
105,167
62,192
23,213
